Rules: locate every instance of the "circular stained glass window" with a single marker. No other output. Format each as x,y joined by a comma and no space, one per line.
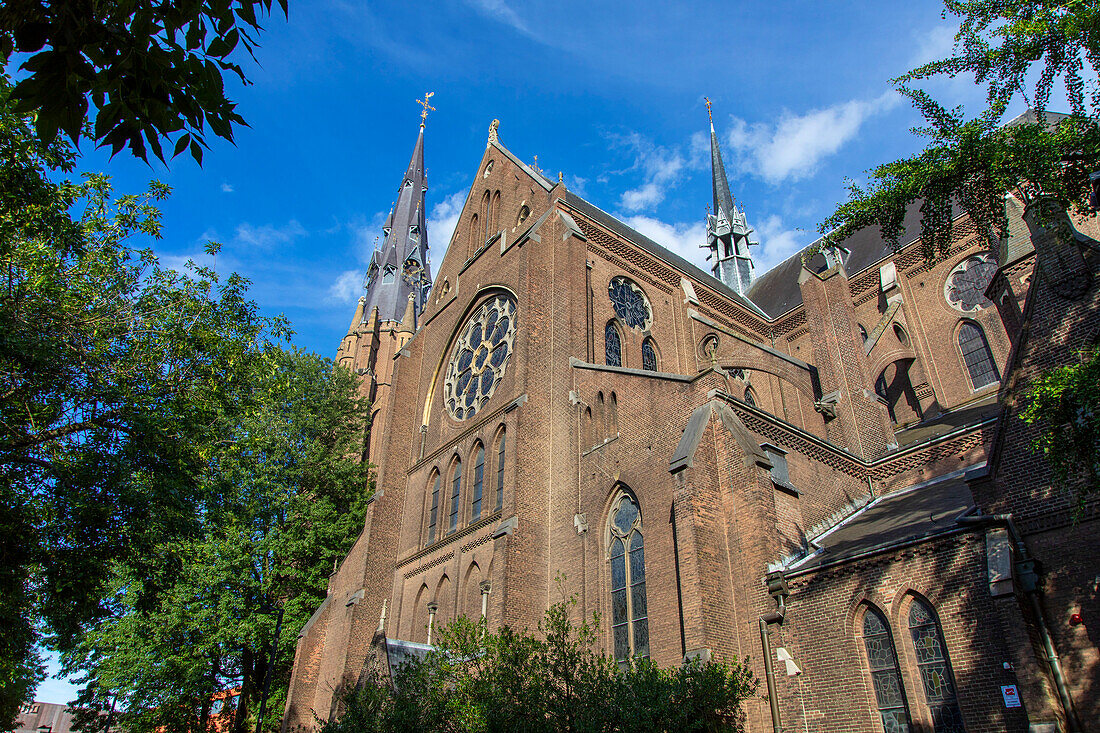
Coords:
965,286
631,305
480,357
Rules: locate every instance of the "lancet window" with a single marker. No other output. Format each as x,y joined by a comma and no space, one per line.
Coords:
976,355
479,483
433,515
500,472
935,669
613,346
882,659
456,493
649,356
626,552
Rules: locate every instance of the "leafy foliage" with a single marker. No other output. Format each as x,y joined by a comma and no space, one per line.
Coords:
553,681
1000,41
282,500
153,70
1064,405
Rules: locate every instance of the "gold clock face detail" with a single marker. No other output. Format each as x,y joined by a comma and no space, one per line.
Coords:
412,271
480,356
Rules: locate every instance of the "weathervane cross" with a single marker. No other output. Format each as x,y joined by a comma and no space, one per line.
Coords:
424,103
707,100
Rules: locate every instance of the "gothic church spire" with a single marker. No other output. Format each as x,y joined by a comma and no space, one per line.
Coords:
728,233
400,268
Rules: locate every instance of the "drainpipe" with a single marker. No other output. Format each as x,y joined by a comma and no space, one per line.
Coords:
777,588
1027,571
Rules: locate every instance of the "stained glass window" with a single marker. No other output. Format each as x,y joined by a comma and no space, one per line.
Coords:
613,346
976,356
479,483
500,473
434,516
935,669
480,357
885,676
966,284
630,303
456,491
649,356
750,399
629,612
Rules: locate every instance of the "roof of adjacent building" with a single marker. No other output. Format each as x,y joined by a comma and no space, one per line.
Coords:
910,514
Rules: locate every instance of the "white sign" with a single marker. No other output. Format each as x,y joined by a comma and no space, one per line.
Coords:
1011,696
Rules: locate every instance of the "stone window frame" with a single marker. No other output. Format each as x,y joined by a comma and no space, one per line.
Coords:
865,607
500,444
454,502
611,535
649,342
483,300
433,488
920,710
984,340
613,327
477,482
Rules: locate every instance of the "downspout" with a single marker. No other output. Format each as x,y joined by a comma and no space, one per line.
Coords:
1026,570
777,588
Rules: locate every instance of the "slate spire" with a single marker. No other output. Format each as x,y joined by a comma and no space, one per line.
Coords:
728,233
399,269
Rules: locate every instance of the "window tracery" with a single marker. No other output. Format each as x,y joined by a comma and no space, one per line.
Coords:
966,284
479,483
882,659
613,345
649,356
630,303
626,553
456,494
480,357
976,356
935,669
433,516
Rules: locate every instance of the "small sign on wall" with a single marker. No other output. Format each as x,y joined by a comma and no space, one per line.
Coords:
1011,695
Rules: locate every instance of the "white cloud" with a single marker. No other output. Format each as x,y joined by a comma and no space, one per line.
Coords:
367,234
577,185
347,287
793,147
227,188
776,244
442,222
501,11
661,167
938,43
683,239
269,235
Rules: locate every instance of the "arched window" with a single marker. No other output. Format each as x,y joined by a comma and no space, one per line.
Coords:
862,332
613,346
494,220
475,233
456,492
935,669
389,274
902,336
649,356
612,416
500,472
976,356
629,617
485,221
433,515
750,398
882,659
479,483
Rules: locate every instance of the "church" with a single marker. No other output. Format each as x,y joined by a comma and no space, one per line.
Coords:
820,469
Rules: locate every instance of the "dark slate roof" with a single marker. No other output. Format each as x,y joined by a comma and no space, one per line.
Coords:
909,514
610,222
777,291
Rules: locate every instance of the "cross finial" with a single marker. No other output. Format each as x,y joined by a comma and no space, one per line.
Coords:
707,100
425,104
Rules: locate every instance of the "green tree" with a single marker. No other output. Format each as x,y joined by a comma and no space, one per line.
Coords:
283,499
971,163
554,680
152,70
113,373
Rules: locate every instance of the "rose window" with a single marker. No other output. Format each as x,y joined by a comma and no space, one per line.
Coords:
965,286
480,357
631,305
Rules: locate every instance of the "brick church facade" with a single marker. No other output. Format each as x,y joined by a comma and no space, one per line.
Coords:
821,466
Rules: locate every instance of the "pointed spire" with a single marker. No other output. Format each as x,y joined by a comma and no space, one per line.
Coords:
408,322
728,233
357,319
399,269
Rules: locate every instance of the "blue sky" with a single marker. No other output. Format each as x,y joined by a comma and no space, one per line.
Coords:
609,93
